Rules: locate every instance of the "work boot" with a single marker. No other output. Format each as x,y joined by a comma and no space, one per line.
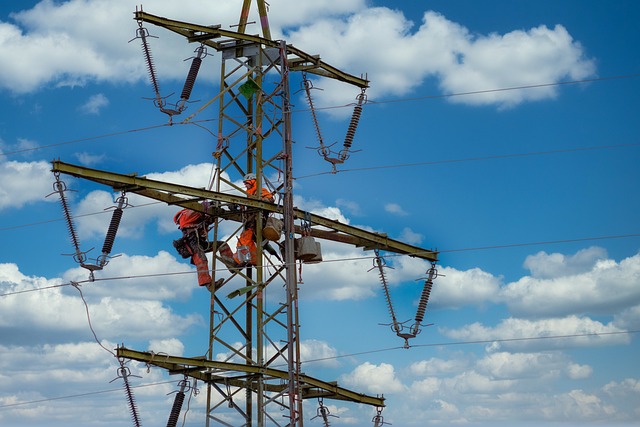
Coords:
216,285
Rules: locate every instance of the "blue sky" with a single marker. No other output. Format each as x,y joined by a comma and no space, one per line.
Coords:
530,194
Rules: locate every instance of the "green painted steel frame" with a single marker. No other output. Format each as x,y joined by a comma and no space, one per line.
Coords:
168,193
211,371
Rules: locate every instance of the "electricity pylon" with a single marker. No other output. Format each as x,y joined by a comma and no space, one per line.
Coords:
259,380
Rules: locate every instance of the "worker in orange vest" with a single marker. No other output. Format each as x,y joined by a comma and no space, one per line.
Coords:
194,242
246,250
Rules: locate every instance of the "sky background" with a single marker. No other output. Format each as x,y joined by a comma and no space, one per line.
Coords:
503,134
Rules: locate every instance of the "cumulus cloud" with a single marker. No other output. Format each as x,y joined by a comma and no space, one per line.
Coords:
411,237
394,208
376,379
462,62
88,159
142,211
544,266
551,333
94,104
459,60
455,288
583,283
514,386
58,312
34,185
172,346
318,352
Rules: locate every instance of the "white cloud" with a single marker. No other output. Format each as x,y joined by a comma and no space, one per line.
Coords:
23,146
376,379
520,334
94,104
396,59
454,288
341,275
511,386
34,185
172,346
89,159
349,206
462,62
583,283
318,352
58,313
411,237
544,266
394,208
168,279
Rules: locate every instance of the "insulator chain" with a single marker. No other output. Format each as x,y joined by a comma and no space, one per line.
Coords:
80,256
381,264
142,34
60,188
353,125
432,273
325,151
378,419
110,236
399,328
190,81
178,401
308,85
125,373
159,101
324,413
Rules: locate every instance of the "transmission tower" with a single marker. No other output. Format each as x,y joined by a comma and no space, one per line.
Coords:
260,382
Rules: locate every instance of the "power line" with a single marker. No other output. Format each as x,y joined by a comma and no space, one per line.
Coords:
389,101
91,393
487,341
405,165
479,248
476,159
523,87
90,138
361,353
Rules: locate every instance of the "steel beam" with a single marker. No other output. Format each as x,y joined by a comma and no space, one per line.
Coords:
214,371
189,197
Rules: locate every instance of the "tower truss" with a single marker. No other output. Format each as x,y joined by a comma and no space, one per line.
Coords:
252,366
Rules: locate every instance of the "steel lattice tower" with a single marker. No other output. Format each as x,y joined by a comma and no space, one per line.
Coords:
260,381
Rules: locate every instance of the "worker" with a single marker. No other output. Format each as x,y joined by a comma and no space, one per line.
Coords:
194,242
246,250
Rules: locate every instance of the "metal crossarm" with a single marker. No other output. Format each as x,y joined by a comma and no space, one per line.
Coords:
190,197
218,372
221,39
